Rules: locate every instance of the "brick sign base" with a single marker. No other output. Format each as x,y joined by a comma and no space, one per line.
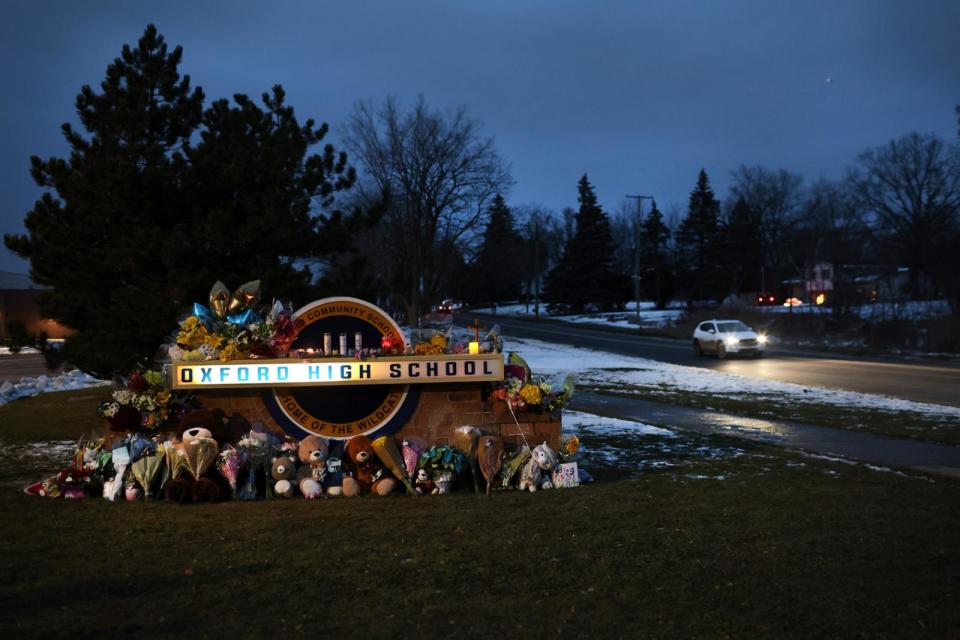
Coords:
441,409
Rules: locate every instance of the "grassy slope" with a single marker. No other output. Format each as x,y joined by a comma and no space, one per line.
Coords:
799,551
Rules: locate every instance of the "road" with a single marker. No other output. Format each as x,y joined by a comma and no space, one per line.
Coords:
12,368
919,381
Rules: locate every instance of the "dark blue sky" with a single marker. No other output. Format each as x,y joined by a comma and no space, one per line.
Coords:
639,95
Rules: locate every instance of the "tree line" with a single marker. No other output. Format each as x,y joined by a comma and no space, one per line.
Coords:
163,193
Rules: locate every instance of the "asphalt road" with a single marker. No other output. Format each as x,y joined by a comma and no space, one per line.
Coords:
920,381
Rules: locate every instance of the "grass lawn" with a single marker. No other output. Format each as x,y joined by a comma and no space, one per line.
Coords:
898,424
758,543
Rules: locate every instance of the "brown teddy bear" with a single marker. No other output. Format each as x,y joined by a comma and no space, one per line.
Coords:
369,476
284,474
313,452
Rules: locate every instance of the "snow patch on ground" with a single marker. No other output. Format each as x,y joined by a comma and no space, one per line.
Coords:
597,424
5,351
600,367
649,316
29,386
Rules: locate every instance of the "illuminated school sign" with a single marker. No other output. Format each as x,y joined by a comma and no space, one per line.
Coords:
337,371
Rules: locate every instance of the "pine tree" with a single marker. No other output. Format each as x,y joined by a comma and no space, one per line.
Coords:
138,222
698,263
654,236
494,279
585,274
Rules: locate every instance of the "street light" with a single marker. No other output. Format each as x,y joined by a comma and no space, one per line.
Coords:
636,264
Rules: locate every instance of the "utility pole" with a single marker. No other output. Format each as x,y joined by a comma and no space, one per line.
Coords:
636,263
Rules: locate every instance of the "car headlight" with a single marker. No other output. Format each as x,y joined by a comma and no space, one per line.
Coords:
731,341
762,338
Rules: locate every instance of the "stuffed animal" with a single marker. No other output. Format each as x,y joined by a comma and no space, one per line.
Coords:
284,474
369,476
193,433
424,485
212,423
537,472
313,452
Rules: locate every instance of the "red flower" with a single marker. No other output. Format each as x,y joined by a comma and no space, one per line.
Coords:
136,382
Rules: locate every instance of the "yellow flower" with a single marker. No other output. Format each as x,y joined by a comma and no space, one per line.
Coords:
572,445
230,352
530,393
438,341
214,340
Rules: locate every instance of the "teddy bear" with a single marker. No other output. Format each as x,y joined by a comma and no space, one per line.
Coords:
536,473
424,485
369,476
312,452
284,474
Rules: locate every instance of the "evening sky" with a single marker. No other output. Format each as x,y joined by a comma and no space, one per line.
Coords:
639,95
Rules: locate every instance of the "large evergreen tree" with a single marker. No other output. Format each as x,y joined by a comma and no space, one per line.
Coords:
698,262
654,236
585,274
496,277
140,221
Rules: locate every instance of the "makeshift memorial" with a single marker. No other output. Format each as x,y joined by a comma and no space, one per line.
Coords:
146,470
313,452
537,472
132,492
566,475
368,475
465,439
284,473
386,450
424,485
257,448
490,457
444,464
228,464
144,403
513,464
523,393
201,452
411,449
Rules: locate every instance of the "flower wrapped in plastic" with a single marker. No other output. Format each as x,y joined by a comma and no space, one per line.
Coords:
228,464
146,470
466,438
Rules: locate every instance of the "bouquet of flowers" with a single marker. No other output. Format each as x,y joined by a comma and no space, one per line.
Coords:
525,393
231,329
144,403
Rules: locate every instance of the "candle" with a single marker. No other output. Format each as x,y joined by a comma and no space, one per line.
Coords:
473,348
327,344
358,342
386,343
343,344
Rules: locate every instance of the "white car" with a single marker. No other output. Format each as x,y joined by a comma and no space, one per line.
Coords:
723,337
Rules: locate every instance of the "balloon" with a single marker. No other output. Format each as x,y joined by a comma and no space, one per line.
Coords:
245,296
206,317
243,319
219,297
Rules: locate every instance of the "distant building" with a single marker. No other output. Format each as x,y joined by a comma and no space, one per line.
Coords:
18,303
854,284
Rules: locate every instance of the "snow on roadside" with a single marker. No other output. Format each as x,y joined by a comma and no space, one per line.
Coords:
5,351
29,386
598,424
599,367
649,315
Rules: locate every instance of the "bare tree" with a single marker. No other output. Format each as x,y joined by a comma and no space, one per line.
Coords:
912,185
775,197
434,174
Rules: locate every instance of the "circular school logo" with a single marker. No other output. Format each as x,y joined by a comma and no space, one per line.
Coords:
342,412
